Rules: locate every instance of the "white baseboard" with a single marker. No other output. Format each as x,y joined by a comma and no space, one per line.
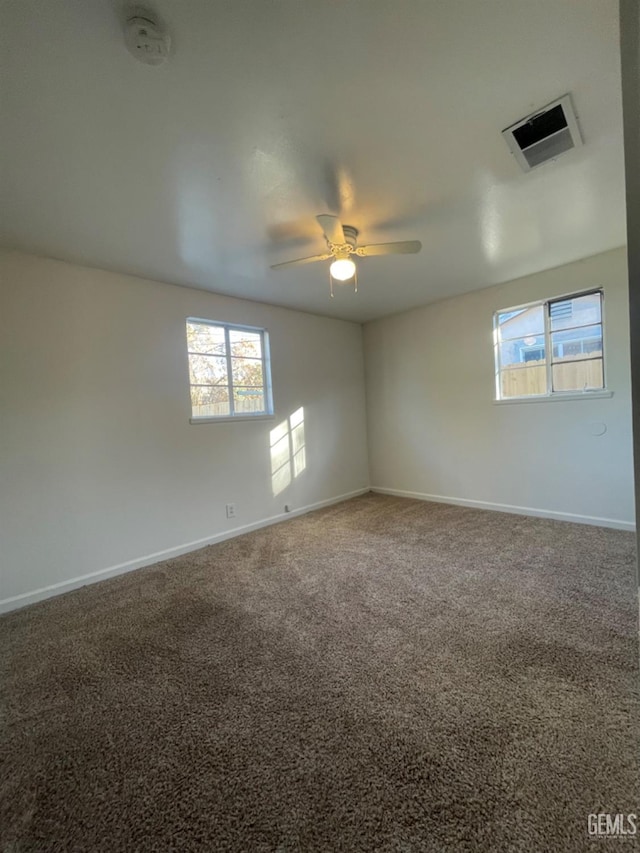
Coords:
22,600
517,510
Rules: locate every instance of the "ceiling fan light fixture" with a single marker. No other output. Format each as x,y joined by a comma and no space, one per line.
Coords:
342,242
342,269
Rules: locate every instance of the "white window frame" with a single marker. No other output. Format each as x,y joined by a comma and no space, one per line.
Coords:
267,414
550,395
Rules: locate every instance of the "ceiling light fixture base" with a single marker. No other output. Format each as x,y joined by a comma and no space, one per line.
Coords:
145,37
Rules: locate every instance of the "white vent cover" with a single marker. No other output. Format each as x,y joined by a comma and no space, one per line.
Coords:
544,135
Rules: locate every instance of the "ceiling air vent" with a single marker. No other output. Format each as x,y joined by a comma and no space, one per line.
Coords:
544,135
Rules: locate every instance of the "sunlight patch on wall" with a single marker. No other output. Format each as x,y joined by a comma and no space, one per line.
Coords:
296,424
287,447
280,463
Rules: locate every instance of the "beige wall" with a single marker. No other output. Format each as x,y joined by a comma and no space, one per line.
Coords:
100,469
630,67
434,429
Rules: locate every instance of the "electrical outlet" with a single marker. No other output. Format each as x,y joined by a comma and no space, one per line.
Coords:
231,510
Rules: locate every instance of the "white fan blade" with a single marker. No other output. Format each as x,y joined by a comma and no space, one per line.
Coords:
332,228
299,261
404,247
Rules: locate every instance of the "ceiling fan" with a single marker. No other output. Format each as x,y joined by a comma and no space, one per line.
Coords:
342,243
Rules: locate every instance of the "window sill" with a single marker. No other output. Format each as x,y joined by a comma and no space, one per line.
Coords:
231,419
555,398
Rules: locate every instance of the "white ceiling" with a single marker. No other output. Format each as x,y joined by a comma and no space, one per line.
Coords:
210,168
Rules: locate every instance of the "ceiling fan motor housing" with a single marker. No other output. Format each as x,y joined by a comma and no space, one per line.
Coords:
342,251
350,235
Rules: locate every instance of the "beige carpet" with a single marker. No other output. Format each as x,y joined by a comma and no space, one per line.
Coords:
384,675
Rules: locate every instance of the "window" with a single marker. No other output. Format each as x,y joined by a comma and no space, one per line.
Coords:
228,371
550,348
